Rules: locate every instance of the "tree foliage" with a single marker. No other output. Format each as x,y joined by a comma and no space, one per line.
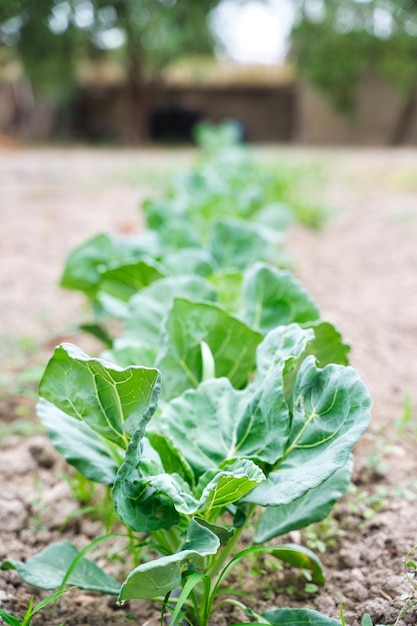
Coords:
334,42
52,37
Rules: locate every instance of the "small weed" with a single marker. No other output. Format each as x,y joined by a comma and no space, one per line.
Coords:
11,620
364,503
322,535
20,427
36,521
407,424
375,460
96,498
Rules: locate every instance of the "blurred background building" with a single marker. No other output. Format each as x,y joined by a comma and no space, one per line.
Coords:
134,71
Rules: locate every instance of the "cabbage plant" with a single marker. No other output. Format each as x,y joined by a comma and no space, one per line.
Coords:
197,471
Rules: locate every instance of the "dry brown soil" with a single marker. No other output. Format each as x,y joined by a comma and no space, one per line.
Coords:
362,270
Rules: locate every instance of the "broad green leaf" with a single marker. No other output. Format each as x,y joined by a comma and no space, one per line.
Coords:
228,284
48,568
138,505
230,484
216,422
111,400
168,486
225,487
141,475
330,410
160,211
299,556
272,297
224,534
123,281
232,344
275,216
157,578
327,345
293,343
97,331
107,306
298,617
312,507
79,444
147,309
86,263
188,261
176,234
284,344
171,456
236,245
127,352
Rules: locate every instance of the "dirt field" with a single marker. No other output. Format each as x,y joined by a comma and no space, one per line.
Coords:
362,270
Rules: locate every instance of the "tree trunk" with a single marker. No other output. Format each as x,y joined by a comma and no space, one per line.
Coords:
138,104
404,123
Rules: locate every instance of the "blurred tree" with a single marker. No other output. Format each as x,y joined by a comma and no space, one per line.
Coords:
334,42
52,38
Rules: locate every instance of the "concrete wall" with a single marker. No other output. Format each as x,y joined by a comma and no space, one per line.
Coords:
378,110
266,113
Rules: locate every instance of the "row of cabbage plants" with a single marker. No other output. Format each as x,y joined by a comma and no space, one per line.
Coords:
225,405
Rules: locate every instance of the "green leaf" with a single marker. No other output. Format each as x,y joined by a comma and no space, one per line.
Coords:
312,507
236,245
272,297
299,556
79,444
86,263
285,345
144,475
123,281
97,331
228,284
171,456
139,505
330,409
188,261
327,345
159,577
216,422
230,484
126,352
147,309
298,617
224,534
48,568
192,579
9,619
160,211
232,344
111,400
275,216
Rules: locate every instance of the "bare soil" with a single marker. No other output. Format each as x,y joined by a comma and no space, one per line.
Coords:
362,270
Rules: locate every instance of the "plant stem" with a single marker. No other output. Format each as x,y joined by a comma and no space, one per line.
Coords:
218,564
240,605
167,539
216,572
